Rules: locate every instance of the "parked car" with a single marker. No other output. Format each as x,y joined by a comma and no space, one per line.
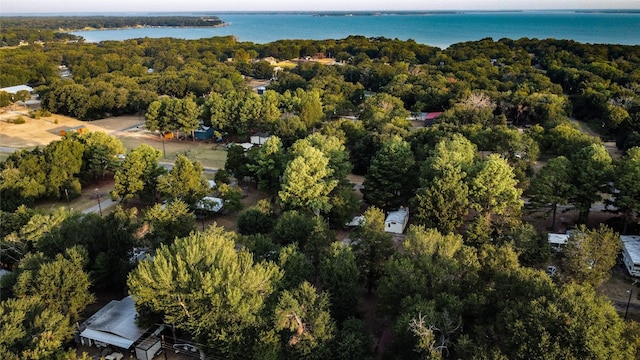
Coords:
185,348
551,270
114,356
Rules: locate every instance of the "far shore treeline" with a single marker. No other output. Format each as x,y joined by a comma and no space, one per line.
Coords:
460,136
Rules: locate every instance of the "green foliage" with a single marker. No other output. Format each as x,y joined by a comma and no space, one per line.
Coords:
626,187
551,186
202,277
302,316
307,182
254,221
591,173
372,247
339,276
138,174
184,181
61,285
390,180
590,254
31,331
167,222
268,165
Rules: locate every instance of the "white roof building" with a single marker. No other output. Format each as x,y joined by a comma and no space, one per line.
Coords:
210,203
15,89
397,220
557,241
115,324
356,221
631,253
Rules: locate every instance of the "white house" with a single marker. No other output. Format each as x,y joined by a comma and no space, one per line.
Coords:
113,325
396,221
259,139
557,241
210,203
631,253
15,89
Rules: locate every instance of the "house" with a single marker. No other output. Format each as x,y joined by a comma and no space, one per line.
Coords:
431,117
203,133
259,139
396,221
15,89
210,204
557,241
113,325
356,221
631,253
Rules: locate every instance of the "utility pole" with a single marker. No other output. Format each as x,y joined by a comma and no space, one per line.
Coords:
99,205
630,291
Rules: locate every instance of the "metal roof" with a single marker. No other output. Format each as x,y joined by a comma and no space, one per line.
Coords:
399,216
558,239
15,89
114,324
631,244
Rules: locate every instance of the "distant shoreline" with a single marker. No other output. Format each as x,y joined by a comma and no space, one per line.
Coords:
316,13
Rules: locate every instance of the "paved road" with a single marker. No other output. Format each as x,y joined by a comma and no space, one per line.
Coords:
105,203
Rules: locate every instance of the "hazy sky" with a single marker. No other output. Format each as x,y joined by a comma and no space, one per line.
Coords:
66,6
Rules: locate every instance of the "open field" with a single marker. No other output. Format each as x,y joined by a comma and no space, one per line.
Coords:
129,129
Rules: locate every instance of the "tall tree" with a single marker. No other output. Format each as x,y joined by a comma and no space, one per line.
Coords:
339,277
551,186
100,153
626,186
591,174
302,316
494,195
138,174
201,277
30,330
268,165
372,247
391,180
307,182
61,285
590,254
165,223
184,181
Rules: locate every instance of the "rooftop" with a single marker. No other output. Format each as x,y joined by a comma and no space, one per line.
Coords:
632,245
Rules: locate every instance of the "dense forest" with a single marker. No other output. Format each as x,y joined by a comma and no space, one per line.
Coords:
467,281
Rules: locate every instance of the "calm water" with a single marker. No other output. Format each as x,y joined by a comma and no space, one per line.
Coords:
439,30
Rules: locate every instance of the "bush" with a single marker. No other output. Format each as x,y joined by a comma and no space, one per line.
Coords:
18,120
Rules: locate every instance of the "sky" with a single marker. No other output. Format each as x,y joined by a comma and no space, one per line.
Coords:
93,6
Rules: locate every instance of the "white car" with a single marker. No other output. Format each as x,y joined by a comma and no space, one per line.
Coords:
114,356
185,348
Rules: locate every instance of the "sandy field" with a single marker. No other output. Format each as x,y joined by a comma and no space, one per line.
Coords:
42,131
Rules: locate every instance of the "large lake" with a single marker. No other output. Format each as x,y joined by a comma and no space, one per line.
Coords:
437,29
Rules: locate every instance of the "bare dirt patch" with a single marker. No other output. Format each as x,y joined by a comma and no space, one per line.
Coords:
38,132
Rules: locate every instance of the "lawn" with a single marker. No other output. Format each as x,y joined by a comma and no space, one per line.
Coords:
208,154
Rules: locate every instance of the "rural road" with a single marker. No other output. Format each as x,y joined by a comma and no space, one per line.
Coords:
105,203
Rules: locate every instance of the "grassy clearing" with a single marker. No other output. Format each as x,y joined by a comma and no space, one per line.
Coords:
208,154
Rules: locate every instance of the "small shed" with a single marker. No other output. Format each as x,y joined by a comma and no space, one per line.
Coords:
396,221
356,221
631,253
148,348
557,241
203,133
